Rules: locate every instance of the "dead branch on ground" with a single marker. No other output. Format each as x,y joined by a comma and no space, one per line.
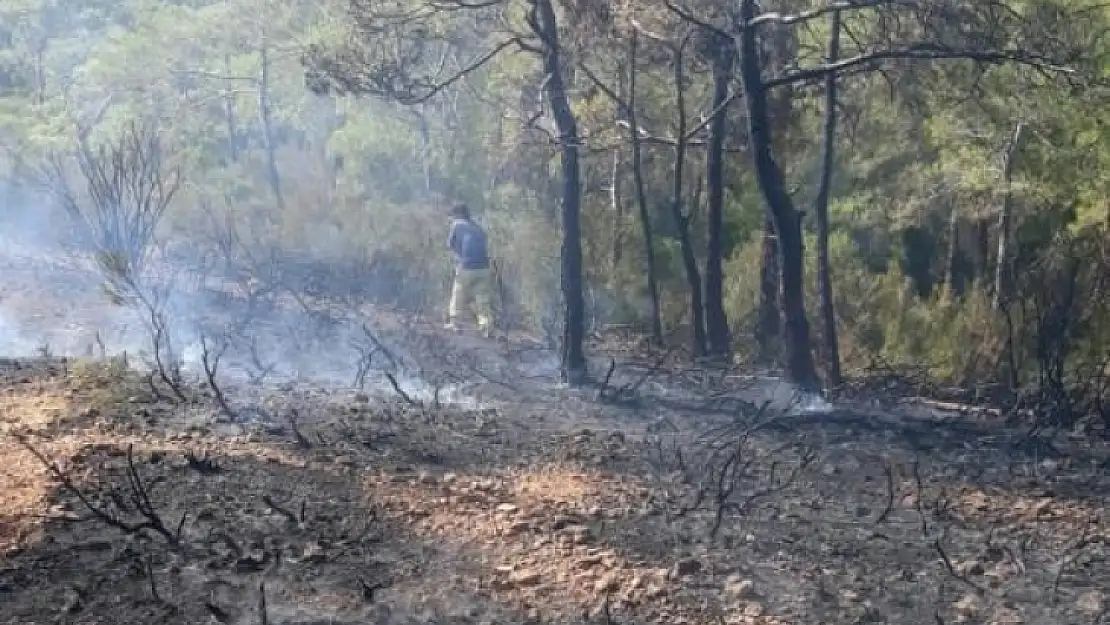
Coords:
628,393
728,475
138,494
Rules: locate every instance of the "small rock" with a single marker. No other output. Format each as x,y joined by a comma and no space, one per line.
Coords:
609,583
689,566
427,478
754,609
849,596
968,607
1091,602
741,588
587,562
345,461
518,527
450,478
507,508
973,567
313,553
525,578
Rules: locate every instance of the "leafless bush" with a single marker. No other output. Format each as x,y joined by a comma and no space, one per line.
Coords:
115,513
124,188
726,472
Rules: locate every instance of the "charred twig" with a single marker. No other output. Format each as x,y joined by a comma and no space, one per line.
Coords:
948,566
263,613
202,464
149,563
918,499
889,494
605,380
139,497
1069,555
400,391
262,370
302,442
217,612
369,590
289,516
211,363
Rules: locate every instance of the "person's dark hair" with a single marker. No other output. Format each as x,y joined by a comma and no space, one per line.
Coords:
460,211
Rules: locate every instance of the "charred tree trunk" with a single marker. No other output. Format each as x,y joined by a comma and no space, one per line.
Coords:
617,202
717,331
787,220
1002,273
824,278
681,216
573,355
266,121
641,194
769,325
952,264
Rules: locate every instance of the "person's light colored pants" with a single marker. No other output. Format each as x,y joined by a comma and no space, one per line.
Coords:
472,294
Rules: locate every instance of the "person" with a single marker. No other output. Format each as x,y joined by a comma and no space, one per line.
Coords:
471,291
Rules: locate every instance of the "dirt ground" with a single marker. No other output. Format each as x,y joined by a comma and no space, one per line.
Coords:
511,499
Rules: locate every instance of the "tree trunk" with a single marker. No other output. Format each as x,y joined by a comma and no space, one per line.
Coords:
230,119
1002,273
266,121
824,278
617,202
787,220
715,319
769,326
573,355
682,219
641,194
952,269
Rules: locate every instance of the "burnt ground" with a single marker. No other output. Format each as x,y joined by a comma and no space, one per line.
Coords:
511,499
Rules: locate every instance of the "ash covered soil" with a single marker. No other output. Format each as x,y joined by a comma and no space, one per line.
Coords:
505,498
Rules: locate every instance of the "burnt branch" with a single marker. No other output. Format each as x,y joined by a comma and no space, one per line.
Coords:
400,391
210,359
138,496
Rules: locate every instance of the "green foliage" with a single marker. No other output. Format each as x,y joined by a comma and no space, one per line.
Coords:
920,149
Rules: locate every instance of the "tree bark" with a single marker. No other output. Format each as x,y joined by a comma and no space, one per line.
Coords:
787,220
616,200
573,355
717,330
682,220
768,329
1002,273
266,121
824,277
641,194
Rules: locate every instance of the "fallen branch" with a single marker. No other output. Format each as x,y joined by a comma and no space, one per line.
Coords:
952,569
139,497
289,516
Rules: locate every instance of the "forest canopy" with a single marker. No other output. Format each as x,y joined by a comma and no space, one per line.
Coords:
867,184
